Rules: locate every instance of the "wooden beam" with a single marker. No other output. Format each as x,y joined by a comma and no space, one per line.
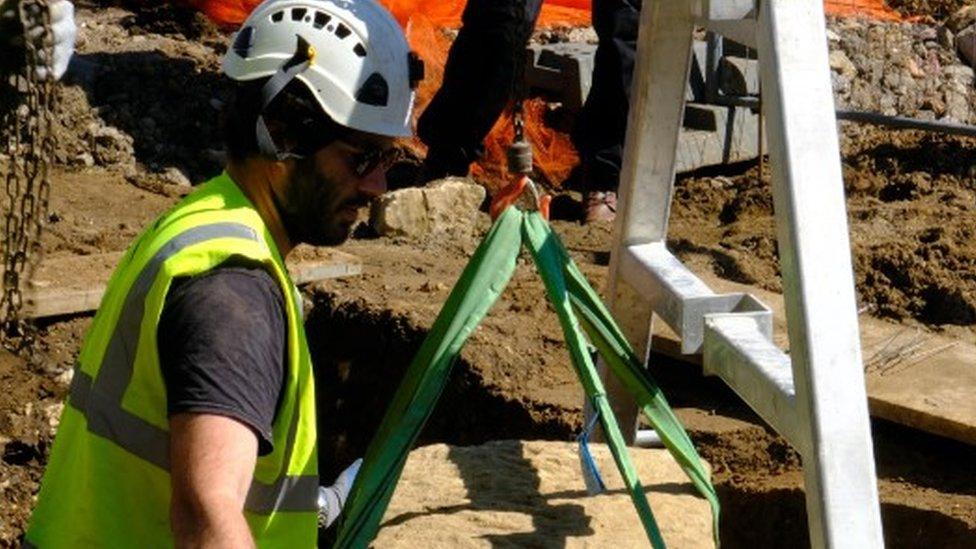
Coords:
917,379
65,285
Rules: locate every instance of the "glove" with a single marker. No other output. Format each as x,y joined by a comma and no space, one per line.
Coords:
63,30
64,33
332,498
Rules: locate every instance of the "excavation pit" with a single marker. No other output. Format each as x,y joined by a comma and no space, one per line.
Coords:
362,349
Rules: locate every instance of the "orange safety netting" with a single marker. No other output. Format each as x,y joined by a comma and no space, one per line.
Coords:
443,13
424,22
447,13
875,9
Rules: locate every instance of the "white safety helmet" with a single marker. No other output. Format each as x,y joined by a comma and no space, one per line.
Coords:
351,54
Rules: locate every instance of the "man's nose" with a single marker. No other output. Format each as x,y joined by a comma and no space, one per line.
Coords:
373,184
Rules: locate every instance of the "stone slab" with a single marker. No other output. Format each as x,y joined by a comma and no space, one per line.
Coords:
562,71
738,76
531,494
711,136
716,135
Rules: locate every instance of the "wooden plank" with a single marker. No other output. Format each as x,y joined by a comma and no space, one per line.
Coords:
914,378
58,302
65,285
68,284
307,264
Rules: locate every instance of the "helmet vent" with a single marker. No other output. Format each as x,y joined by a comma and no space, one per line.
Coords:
375,91
415,69
277,16
297,14
342,31
244,41
360,50
321,19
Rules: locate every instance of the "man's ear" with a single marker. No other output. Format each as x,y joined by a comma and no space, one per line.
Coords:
278,170
276,174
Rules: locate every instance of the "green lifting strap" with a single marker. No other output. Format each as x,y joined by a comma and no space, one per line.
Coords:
580,310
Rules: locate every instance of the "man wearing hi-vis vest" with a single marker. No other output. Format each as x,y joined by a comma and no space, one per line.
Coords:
191,416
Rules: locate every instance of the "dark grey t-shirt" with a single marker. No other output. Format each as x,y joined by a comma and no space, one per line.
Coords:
221,341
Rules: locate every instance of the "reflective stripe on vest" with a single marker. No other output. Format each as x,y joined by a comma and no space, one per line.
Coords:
100,400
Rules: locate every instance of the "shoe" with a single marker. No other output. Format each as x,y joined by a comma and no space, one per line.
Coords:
600,206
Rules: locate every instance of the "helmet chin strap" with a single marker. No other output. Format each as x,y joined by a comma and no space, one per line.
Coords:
303,58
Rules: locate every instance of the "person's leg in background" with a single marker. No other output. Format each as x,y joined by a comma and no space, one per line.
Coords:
478,83
602,124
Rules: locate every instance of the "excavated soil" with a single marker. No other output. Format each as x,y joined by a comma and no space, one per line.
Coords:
910,202
938,10
140,120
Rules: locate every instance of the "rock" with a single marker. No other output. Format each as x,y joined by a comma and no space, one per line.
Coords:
946,37
173,176
110,146
957,107
963,18
449,206
893,81
966,45
840,63
52,416
913,68
935,106
453,203
428,287
85,159
582,35
65,377
888,105
927,34
960,76
401,212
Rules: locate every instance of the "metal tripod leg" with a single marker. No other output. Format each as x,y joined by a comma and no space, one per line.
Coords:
647,174
816,395
811,224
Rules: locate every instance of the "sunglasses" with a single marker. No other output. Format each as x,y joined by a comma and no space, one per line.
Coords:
365,160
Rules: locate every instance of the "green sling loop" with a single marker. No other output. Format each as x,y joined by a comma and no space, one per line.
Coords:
578,306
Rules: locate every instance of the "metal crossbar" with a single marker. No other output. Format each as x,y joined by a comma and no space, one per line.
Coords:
815,397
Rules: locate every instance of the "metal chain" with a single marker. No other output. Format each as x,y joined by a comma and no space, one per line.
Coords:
519,91
520,150
518,118
28,145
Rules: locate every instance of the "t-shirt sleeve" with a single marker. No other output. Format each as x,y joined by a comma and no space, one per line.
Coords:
221,340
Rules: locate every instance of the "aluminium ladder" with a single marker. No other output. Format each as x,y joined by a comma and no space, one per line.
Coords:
815,397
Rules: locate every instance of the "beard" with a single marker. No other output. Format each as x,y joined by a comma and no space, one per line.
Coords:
314,202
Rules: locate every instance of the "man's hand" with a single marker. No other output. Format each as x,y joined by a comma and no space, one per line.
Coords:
64,33
212,461
13,35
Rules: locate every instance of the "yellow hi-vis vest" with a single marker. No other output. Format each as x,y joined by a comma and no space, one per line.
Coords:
107,483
